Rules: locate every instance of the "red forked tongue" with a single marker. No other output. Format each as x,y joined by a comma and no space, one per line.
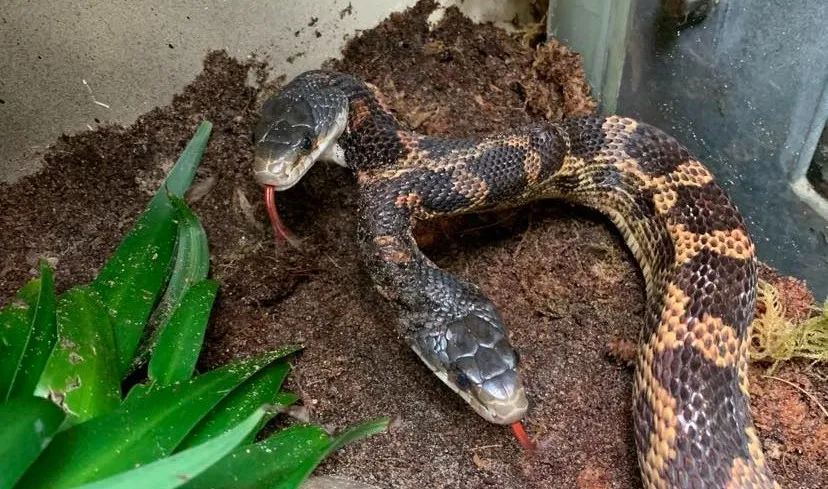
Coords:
522,437
280,230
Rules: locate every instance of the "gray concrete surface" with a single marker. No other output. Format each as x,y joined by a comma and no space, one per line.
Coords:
59,57
66,64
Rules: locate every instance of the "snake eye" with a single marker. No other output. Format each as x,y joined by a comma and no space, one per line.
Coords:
306,144
462,381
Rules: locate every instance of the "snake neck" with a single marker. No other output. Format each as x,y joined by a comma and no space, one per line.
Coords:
372,138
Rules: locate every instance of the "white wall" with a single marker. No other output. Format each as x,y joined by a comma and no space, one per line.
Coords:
121,48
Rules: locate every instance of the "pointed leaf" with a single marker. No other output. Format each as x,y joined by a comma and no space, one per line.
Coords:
192,263
81,373
136,391
145,427
179,343
280,403
285,399
307,466
174,471
258,390
15,327
267,463
42,335
26,427
132,280
282,461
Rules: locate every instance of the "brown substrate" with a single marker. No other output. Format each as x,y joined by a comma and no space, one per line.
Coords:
566,285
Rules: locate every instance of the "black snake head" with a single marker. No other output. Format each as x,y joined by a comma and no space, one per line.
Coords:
297,128
472,355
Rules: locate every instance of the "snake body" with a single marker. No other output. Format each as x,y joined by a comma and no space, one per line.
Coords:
693,427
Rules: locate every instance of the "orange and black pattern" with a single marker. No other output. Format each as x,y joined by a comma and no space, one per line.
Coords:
693,427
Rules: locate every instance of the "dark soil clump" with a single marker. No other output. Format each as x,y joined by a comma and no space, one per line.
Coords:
565,283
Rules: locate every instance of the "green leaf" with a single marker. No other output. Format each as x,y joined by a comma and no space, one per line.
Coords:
136,391
267,463
81,373
179,343
174,471
146,427
15,327
304,468
258,390
284,399
282,461
192,263
42,334
26,427
131,281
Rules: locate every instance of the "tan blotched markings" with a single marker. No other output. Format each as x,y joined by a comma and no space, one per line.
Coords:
755,447
522,142
572,166
379,97
410,200
392,250
367,176
414,156
734,243
663,434
359,113
618,125
750,472
469,185
691,173
716,341
532,167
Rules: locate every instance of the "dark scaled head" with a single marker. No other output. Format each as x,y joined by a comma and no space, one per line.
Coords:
472,355
298,126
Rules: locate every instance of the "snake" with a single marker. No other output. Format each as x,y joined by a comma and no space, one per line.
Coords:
691,412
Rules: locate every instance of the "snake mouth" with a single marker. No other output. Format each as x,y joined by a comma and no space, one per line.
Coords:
503,410
283,171
285,153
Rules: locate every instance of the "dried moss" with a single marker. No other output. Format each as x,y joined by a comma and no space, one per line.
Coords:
775,338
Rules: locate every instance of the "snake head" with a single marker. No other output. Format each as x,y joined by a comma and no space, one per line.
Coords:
298,126
472,355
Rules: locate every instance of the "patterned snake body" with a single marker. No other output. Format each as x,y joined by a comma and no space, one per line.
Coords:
693,427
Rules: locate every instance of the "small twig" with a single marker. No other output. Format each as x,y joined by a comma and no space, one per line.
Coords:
800,389
484,447
96,101
332,261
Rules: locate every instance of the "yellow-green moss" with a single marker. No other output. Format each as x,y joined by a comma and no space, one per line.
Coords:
775,338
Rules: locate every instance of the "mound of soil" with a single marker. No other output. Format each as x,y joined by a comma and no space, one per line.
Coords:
565,283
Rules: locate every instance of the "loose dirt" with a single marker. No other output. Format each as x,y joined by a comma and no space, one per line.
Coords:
565,283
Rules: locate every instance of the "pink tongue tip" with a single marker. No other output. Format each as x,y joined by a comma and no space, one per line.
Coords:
282,233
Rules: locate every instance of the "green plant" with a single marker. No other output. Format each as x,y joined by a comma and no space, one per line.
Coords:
66,419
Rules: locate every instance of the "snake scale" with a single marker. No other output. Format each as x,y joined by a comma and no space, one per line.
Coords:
692,421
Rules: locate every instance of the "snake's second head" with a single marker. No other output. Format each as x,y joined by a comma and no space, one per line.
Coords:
295,131
473,357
